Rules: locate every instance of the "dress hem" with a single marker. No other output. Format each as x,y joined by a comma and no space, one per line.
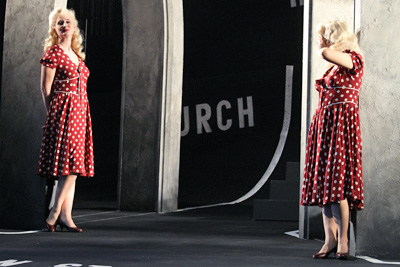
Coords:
47,176
351,207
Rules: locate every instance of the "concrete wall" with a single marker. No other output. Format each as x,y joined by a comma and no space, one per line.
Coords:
22,115
375,230
141,100
378,225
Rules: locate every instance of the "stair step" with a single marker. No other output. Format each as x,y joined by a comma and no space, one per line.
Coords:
292,171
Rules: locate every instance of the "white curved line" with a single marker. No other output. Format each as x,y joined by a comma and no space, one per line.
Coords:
376,261
20,233
119,217
278,151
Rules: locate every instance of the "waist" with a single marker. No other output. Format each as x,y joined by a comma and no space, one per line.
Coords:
339,103
341,88
68,92
66,79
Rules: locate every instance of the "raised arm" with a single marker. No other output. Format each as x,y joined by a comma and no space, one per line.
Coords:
333,56
46,83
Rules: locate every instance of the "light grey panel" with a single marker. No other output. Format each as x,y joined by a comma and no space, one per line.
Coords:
378,225
170,128
141,100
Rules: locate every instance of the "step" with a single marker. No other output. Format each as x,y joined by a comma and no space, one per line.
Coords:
292,171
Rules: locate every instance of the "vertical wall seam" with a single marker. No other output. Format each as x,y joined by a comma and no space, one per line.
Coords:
353,215
306,76
308,118
159,205
123,90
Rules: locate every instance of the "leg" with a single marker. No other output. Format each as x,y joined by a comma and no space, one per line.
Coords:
49,194
341,215
66,209
329,229
65,183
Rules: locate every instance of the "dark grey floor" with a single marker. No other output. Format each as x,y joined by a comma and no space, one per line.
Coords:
224,236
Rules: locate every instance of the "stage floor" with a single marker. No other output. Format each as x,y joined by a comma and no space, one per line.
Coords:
223,236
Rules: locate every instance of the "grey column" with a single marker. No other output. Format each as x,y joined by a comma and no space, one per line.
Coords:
170,128
22,114
378,225
151,105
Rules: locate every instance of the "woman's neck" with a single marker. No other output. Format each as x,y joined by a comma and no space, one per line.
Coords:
65,44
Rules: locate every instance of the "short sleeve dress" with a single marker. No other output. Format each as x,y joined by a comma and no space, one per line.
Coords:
67,143
333,161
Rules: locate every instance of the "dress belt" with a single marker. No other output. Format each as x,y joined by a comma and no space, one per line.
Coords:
66,92
341,87
337,103
69,79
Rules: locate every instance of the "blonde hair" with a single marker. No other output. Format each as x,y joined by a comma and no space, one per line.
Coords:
52,39
337,32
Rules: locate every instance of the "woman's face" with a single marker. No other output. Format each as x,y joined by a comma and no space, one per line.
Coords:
64,26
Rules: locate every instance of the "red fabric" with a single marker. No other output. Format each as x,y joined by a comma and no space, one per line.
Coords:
67,143
333,165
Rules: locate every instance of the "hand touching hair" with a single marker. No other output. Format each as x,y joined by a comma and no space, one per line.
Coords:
338,35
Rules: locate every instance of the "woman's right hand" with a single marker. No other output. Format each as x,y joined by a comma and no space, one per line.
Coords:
46,82
322,43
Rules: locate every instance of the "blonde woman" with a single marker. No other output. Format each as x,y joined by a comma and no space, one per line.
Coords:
67,144
333,167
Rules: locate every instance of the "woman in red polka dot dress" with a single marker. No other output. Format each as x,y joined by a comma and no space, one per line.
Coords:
333,167
67,144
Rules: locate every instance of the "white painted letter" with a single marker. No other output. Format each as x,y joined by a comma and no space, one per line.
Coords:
12,262
202,120
221,125
249,111
68,265
185,121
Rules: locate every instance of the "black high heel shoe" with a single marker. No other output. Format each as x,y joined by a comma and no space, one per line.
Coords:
70,229
50,228
324,255
342,256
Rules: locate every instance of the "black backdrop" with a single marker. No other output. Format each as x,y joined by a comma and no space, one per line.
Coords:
235,49
101,24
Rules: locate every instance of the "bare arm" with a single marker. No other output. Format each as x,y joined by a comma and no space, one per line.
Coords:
333,56
46,82
336,57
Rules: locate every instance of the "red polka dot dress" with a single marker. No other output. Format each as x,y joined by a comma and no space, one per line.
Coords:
67,144
333,165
